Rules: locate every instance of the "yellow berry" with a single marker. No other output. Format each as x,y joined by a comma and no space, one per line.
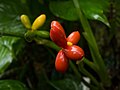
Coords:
26,21
39,21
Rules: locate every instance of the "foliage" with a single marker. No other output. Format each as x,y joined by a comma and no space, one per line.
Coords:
30,64
11,85
92,9
9,48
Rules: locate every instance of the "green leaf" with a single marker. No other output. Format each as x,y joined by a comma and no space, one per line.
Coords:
8,51
5,58
93,9
66,84
10,11
64,9
12,85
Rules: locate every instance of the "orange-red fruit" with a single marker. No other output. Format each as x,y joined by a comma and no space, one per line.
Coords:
74,37
74,52
57,34
57,25
61,62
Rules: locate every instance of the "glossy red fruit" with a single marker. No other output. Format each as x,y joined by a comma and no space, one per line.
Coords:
57,34
57,25
74,37
74,52
61,62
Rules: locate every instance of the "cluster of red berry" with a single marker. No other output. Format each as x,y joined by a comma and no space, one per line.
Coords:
69,51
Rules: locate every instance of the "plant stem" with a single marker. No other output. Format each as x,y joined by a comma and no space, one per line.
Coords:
93,47
91,65
14,34
23,72
75,71
48,81
81,68
47,43
89,85
92,78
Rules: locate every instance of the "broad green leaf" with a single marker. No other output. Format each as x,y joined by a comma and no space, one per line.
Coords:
66,84
8,51
5,58
92,9
12,85
10,11
64,9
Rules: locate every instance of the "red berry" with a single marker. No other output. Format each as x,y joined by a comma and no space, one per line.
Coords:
74,52
57,34
61,62
57,25
74,37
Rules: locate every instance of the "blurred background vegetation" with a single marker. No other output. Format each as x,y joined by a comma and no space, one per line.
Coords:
33,64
